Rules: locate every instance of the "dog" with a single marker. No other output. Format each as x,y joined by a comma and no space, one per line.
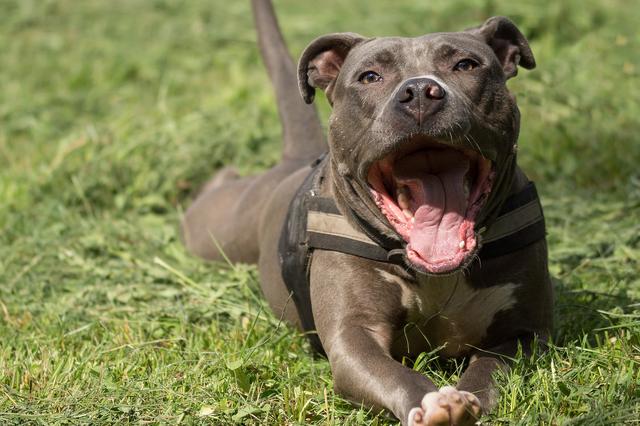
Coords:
409,228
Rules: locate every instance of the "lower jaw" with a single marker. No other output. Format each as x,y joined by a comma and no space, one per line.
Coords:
442,267
446,265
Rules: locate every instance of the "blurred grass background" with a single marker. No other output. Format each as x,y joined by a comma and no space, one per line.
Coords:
113,113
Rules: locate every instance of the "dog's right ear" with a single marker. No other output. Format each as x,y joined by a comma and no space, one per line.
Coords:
510,46
321,61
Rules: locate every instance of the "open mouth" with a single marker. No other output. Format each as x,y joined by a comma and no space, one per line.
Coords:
431,196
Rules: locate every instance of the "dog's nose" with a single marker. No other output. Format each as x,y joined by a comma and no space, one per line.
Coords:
420,97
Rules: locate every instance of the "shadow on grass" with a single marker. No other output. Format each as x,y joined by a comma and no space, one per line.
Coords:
580,312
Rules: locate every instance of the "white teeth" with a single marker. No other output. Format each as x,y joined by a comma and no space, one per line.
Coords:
462,244
407,213
403,197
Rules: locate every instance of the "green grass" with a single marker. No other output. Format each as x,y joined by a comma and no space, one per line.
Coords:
113,113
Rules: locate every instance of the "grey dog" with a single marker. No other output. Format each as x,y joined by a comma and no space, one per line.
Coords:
415,231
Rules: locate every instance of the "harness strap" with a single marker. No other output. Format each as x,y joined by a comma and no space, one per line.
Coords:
519,224
327,229
295,252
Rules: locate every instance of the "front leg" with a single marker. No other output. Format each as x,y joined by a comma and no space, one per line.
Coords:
356,317
478,378
365,373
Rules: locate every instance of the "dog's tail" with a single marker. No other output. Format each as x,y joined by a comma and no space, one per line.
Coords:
301,128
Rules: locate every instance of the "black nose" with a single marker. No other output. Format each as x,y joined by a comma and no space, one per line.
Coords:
420,97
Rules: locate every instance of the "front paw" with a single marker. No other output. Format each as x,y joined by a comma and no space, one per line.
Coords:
447,407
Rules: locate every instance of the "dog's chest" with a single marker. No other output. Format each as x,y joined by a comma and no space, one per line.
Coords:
448,313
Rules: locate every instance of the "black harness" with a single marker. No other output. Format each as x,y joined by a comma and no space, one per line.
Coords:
314,222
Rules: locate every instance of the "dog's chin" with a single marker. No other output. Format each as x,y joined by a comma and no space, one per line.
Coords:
431,194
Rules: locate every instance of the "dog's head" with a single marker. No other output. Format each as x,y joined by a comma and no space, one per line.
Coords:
423,131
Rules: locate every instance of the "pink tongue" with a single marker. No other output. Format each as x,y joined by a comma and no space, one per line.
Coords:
436,182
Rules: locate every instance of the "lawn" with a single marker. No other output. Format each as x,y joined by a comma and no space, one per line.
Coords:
112,113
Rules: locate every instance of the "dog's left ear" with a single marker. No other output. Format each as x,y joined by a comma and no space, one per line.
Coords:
508,43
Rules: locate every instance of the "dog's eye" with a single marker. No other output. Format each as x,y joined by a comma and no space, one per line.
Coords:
465,65
368,77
